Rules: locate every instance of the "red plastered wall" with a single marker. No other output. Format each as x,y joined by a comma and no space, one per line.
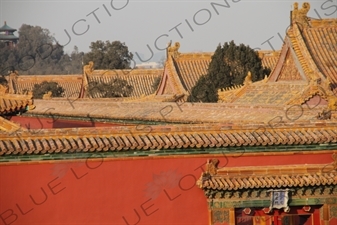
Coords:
144,191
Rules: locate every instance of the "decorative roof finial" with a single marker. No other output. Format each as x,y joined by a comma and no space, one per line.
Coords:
299,16
87,70
334,157
212,166
173,50
248,79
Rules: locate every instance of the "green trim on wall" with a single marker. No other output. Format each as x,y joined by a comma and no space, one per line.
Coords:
266,203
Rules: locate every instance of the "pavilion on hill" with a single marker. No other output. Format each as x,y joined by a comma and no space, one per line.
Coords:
7,35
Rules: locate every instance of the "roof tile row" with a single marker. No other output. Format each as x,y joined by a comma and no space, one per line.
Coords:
10,103
322,44
112,139
269,181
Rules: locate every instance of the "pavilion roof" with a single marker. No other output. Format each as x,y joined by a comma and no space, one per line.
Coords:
141,80
8,37
5,27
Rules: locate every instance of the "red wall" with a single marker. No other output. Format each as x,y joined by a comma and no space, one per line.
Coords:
48,123
160,190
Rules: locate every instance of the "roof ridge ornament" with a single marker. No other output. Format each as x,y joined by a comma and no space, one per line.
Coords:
212,166
334,163
12,81
211,170
326,113
173,50
248,79
47,96
299,16
87,70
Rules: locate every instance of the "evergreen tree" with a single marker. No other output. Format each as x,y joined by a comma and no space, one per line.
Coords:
76,61
156,83
37,53
40,89
6,57
114,89
229,66
109,55
3,81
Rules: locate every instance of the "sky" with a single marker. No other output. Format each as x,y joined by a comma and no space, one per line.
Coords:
147,26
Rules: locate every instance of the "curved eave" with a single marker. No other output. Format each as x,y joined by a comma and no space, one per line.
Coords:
6,28
8,37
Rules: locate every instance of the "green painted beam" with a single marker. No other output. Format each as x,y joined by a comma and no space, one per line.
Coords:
266,203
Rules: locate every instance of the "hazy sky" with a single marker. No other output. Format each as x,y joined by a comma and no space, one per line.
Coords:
197,25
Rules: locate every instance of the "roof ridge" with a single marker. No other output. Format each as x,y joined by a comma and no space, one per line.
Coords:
323,22
279,64
301,50
8,126
236,90
194,56
126,73
173,74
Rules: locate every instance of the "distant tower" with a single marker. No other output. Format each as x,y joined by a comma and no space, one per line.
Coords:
7,36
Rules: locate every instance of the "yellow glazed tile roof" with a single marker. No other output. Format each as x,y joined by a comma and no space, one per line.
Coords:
70,83
140,79
104,139
268,177
261,93
250,113
183,70
308,57
11,103
8,126
321,41
190,67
